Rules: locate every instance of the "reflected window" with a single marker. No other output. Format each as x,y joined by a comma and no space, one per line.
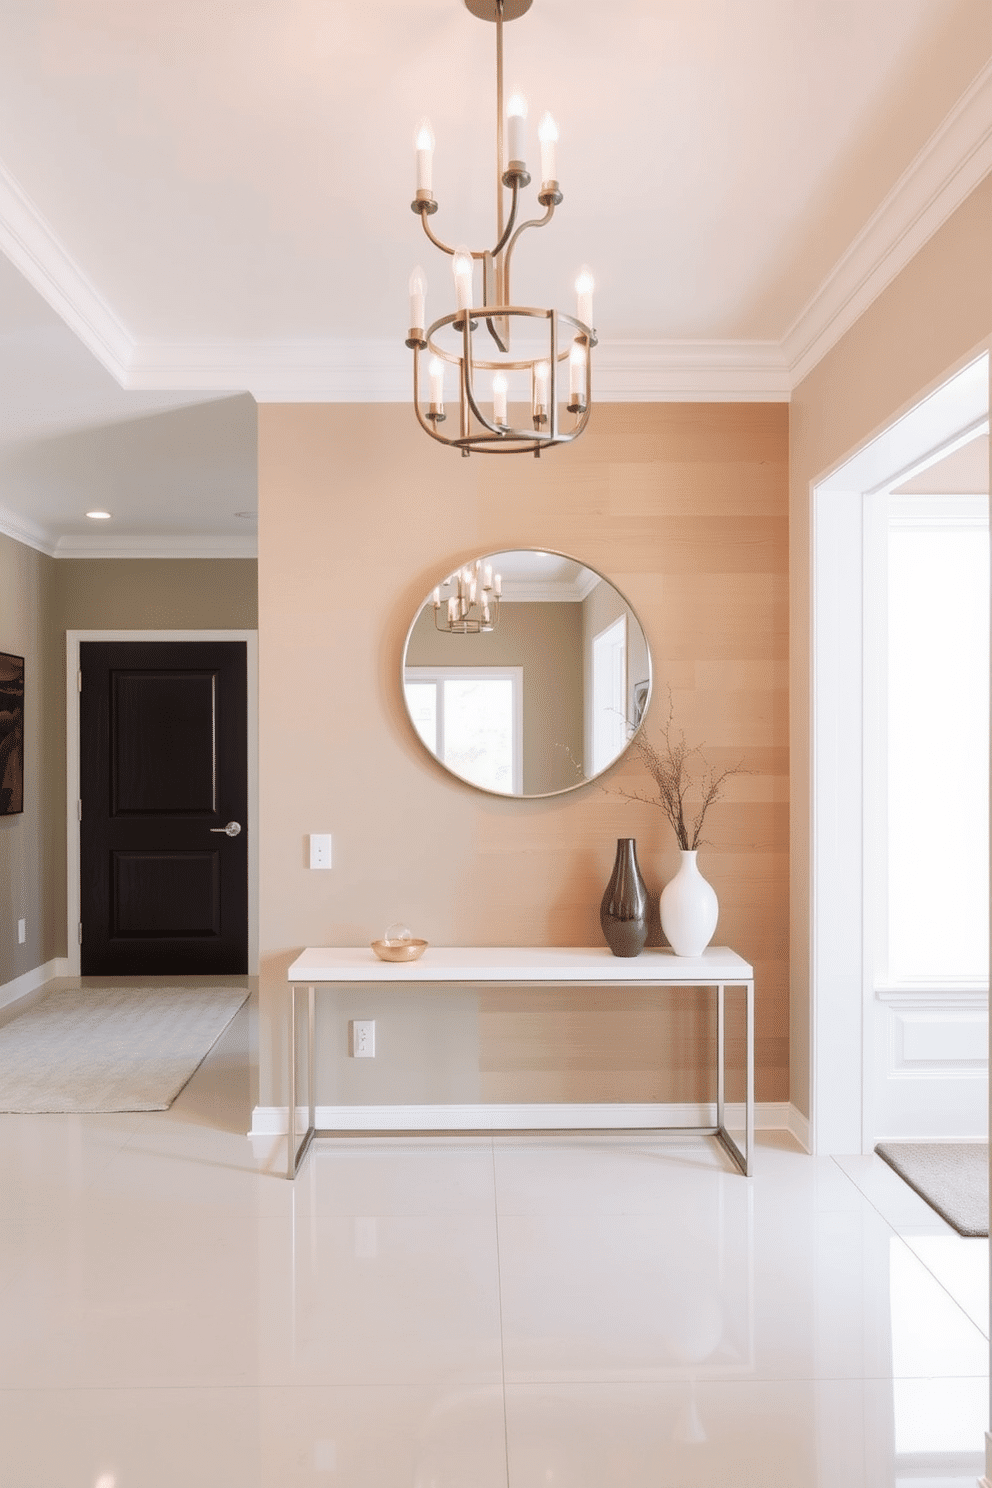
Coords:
609,694
471,719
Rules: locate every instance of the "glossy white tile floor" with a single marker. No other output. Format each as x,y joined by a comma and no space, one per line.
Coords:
569,1312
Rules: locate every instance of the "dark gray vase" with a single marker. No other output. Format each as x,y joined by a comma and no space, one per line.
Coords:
623,913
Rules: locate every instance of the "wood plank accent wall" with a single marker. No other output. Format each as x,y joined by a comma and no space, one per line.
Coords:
684,508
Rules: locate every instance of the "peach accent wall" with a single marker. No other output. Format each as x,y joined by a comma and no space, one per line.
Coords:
684,507
933,316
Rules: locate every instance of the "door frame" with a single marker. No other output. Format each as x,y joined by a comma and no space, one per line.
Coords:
842,1026
73,640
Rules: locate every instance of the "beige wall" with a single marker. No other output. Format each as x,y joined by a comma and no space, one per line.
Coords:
155,594
935,314
25,579
546,641
685,508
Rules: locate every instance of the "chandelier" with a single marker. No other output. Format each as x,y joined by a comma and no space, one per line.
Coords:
473,607
491,376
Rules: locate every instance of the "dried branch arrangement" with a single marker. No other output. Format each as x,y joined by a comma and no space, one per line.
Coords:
684,793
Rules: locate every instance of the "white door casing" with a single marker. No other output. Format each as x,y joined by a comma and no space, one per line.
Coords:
850,1028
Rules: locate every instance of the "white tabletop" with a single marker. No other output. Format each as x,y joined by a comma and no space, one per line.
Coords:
522,964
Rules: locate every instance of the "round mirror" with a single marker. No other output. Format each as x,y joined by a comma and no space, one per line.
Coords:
526,673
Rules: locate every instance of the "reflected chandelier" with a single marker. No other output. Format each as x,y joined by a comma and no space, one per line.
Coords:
473,607
451,340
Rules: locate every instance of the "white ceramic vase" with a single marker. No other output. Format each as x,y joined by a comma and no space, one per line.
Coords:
689,909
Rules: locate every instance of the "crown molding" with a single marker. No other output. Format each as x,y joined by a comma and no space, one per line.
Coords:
297,371
690,371
26,532
32,246
955,159
360,371
952,163
156,547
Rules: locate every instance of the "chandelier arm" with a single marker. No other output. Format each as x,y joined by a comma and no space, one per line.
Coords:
467,388
491,328
513,217
533,222
436,241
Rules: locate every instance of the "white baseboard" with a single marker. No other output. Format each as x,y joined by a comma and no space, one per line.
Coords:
271,1121
30,981
798,1124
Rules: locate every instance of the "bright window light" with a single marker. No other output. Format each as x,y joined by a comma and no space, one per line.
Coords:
938,741
470,718
478,731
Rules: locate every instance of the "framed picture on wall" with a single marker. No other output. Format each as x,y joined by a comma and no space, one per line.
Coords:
11,734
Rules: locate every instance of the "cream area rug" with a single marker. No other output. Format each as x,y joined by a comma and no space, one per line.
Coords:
110,1048
953,1177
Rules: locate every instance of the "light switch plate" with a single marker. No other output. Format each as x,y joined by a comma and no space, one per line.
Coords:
320,849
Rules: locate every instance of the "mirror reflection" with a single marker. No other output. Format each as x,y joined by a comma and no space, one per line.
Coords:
526,673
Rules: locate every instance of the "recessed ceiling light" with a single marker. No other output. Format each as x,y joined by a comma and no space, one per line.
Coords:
246,516
99,516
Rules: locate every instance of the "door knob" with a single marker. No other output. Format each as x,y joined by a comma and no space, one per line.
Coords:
231,830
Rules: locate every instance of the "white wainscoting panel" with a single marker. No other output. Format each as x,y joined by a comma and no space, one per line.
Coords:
931,1063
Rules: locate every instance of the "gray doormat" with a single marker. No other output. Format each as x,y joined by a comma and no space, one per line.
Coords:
953,1177
110,1048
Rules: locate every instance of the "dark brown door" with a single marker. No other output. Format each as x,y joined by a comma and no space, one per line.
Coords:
163,772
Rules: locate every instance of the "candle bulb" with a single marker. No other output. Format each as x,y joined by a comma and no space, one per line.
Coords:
425,155
418,289
487,576
436,598
452,609
584,286
577,373
436,372
497,585
462,269
516,128
547,133
542,387
499,398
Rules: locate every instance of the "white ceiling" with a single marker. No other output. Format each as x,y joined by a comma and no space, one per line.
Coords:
199,200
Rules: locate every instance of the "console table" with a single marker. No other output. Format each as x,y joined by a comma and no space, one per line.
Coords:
717,967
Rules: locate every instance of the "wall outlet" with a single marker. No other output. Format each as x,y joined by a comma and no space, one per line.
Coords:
363,1038
22,931
320,849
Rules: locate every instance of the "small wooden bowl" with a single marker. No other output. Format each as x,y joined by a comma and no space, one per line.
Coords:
399,950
